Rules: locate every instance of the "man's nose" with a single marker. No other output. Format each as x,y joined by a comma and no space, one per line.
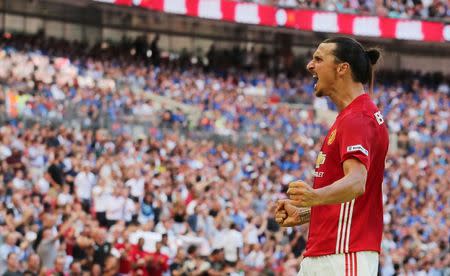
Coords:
310,66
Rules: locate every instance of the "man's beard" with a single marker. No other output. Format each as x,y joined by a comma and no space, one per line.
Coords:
319,93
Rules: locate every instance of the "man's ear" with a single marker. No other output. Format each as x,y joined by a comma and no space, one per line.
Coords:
343,68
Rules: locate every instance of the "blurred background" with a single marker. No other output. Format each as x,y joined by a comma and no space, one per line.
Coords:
152,137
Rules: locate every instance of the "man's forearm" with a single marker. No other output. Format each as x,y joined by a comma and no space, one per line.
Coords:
343,190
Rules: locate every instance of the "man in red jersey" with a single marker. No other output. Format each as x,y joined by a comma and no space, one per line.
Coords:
344,205
158,263
138,258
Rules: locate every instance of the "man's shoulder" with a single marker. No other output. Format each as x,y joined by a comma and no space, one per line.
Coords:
364,106
353,117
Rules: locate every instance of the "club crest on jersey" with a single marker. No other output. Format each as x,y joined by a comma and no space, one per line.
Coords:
320,159
358,148
331,137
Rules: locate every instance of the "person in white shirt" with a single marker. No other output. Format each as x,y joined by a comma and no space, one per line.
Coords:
234,243
84,182
110,169
231,241
130,207
169,247
254,229
256,257
65,197
9,246
43,183
18,181
101,195
5,151
120,207
136,184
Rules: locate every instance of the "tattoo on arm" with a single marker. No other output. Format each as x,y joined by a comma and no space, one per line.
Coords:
304,215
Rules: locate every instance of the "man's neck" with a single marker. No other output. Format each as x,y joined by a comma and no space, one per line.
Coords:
346,95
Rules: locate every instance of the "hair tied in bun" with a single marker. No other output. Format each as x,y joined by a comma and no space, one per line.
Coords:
373,55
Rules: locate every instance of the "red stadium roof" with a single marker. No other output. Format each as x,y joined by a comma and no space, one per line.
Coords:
308,20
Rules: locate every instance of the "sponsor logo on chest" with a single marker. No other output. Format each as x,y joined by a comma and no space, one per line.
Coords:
318,174
320,159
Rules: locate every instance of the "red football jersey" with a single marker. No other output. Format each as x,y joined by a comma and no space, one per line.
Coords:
359,132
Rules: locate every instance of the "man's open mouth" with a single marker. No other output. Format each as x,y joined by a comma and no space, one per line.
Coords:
315,80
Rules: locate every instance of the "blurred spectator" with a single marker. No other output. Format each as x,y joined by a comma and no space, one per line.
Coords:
393,8
33,266
58,267
138,257
12,265
157,262
48,248
10,253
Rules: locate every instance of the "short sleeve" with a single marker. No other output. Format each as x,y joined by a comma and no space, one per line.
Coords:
356,137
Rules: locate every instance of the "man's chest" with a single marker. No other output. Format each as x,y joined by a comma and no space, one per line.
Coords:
328,162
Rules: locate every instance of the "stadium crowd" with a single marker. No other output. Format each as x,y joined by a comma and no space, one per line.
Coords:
424,9
82,201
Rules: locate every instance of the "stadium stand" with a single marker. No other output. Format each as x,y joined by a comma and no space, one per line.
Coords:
437,9
73,192
159,144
